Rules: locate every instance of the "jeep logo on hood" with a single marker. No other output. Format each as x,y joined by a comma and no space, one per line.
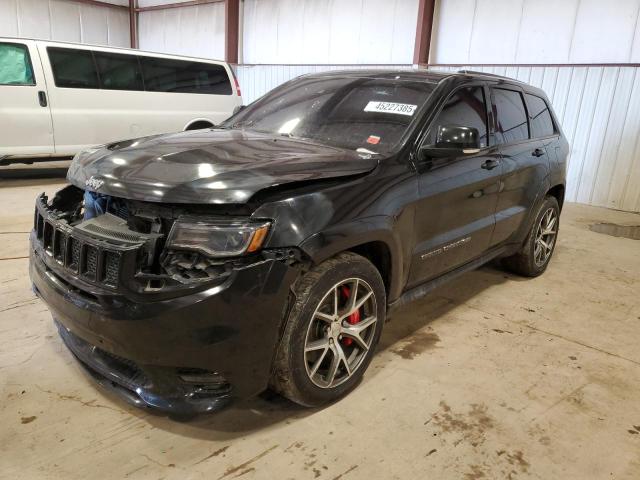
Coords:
94,183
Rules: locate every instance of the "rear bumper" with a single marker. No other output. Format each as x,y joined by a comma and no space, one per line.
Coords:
189,354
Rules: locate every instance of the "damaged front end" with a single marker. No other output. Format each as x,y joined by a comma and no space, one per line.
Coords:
149,302
122,245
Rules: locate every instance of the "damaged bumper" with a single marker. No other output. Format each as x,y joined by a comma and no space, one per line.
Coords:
187,354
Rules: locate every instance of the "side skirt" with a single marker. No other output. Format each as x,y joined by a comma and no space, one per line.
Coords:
423,289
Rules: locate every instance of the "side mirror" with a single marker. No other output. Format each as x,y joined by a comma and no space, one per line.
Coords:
453,141
239,108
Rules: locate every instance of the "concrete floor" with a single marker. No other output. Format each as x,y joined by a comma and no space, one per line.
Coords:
492,376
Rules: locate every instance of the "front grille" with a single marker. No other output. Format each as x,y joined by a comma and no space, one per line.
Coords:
96,264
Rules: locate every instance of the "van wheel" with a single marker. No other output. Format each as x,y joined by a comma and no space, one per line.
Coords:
534,257
331,332
199,125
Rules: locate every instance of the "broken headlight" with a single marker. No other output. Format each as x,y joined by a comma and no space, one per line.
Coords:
218,237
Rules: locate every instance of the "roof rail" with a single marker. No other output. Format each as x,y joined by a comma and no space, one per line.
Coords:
475,72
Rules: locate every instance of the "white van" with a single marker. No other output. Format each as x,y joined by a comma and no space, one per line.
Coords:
59,98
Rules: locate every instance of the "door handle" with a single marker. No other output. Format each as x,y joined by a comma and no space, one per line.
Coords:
538,152
42,98
490,164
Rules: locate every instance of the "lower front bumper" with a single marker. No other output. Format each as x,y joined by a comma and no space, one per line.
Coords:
188,354
127,381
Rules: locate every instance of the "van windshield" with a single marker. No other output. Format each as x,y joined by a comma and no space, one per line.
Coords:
370,114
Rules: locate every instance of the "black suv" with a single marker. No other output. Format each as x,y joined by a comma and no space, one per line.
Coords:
188,269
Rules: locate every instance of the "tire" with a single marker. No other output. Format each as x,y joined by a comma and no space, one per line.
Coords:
312,341
528,261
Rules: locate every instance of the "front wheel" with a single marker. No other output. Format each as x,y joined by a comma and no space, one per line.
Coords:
331,331
533,259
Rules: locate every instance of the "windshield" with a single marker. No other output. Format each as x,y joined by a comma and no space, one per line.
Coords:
368,114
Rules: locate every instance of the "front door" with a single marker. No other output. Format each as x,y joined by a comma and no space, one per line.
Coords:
24,106
455,214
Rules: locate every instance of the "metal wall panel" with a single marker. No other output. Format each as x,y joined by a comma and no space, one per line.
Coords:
536,31
329,31
196,31
65,20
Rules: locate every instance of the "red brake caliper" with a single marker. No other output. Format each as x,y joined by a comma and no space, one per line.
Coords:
352,319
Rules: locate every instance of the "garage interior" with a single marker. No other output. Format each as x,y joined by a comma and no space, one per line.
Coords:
489,376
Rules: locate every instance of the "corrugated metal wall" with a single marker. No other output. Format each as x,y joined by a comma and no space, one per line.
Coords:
536,31
195,31
329,31
65,20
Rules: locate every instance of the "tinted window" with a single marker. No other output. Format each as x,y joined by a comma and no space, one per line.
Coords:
539,116
118,72
511,117
465,108
348,112
166,75
73,68
15,65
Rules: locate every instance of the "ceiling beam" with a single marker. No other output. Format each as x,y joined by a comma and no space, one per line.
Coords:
424,28
99,3
166,6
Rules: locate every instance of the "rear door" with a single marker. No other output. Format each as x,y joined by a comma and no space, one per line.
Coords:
24,109
524,160
455,214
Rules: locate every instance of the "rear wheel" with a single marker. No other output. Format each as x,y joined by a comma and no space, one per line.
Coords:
199,125
534,257
331,331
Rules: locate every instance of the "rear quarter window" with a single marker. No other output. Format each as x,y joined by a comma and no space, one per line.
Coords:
15,65
178,76
511,116
539,117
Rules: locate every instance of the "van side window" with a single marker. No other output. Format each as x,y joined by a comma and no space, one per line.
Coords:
167,75
464,108
539,116
511,116
73,68
118,72
15,65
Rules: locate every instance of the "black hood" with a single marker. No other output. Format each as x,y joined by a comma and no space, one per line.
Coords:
213,166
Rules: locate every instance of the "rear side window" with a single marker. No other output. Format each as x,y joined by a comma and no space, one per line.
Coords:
118,72
511,116
73,68
15,65
464,108
167,75
539,117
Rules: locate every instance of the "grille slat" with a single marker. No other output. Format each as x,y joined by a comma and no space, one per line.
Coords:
90,264
96,264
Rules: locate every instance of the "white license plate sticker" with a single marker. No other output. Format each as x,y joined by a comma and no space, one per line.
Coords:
391,107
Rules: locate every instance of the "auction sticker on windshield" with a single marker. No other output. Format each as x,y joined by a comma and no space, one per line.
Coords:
390,107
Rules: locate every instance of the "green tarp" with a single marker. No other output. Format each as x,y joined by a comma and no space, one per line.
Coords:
15,67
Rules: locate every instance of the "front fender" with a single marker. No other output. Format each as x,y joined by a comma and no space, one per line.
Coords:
338,238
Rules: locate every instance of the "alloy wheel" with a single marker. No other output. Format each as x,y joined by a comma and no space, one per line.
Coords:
545,237
340,333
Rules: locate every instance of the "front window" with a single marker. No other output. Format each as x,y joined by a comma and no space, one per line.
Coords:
464,108
369,114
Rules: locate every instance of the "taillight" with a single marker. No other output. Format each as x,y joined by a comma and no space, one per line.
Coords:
235,80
